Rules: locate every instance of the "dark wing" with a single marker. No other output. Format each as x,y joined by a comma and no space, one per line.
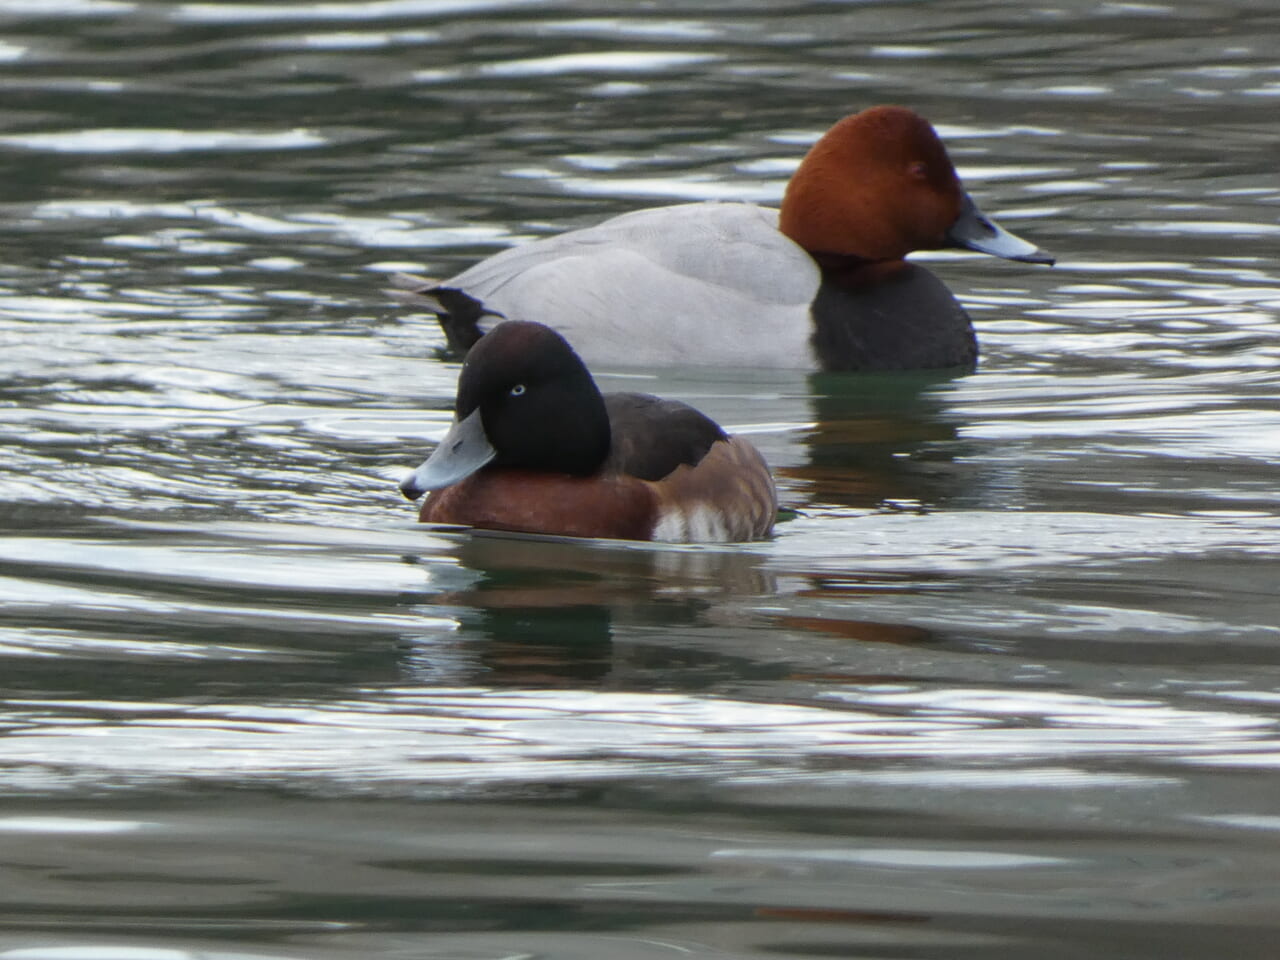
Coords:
652,436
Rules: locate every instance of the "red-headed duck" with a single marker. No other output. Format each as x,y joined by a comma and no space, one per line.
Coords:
536,448
819,284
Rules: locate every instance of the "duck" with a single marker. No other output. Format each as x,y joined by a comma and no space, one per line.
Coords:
536,448
821,283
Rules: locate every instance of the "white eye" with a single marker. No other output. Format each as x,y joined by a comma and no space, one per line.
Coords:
517,390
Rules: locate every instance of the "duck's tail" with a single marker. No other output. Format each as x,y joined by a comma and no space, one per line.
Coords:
458,312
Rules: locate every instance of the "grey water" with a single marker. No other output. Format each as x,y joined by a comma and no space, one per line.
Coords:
1004,684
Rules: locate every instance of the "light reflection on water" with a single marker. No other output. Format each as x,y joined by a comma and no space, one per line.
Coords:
1004,680
460,739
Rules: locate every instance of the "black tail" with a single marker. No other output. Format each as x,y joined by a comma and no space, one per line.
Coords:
458,313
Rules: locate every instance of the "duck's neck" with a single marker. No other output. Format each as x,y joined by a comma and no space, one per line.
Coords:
853,272
587,437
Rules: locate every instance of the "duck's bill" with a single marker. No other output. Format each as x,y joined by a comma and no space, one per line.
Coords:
463,451
974,230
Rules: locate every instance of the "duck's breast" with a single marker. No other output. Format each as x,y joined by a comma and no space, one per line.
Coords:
555,504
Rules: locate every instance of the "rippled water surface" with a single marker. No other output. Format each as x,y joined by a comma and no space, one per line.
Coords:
1005,684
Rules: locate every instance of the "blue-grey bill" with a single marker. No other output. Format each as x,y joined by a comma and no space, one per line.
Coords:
463,451
974,230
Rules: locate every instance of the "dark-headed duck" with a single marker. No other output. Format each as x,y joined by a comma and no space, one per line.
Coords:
536,448
819,284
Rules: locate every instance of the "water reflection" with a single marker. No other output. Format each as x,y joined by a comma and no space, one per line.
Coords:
547,613
881,441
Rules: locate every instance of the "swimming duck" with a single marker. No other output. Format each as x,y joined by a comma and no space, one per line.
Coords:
819,284
536,448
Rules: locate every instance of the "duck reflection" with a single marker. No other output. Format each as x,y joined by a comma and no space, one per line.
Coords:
547,612
542,613
879,441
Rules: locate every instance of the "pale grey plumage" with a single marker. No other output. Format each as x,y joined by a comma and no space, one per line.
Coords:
739,290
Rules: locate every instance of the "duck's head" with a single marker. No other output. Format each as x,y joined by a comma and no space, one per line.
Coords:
878,185
525,399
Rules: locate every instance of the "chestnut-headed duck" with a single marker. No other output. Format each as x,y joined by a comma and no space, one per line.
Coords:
536,448
819,284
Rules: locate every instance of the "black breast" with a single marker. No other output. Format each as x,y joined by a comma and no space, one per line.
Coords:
910,321
651,436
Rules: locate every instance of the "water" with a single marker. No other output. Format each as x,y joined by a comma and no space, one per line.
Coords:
1005,683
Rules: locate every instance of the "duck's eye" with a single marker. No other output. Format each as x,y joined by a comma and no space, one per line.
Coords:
919,170
517,390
